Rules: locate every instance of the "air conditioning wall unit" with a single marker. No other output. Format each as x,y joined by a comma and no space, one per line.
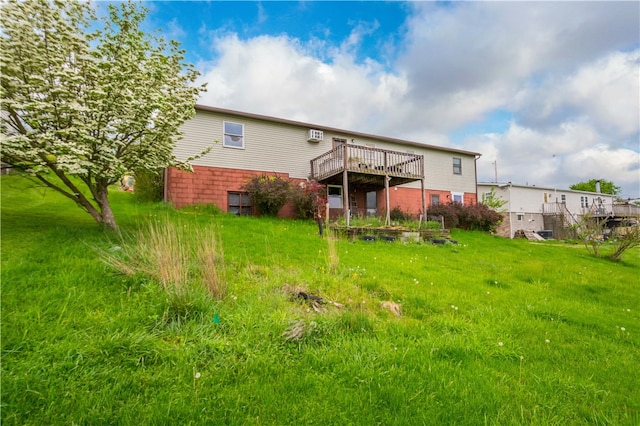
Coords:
315,135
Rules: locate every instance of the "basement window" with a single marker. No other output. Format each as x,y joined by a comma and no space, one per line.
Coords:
334,196
239,203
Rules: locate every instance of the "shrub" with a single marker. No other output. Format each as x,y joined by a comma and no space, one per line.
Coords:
398,215
308,198
448,212
471,217
477,217
268,193
149,185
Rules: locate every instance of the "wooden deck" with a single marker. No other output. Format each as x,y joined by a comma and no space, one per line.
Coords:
367,166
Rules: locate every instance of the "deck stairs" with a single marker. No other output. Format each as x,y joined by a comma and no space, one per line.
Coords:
529,235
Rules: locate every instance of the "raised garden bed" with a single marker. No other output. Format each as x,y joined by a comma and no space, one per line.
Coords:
390,233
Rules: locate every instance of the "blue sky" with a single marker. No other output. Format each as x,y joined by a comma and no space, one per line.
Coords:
548,90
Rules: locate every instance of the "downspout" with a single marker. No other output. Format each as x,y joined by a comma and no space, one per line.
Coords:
475,169
510,213
424,197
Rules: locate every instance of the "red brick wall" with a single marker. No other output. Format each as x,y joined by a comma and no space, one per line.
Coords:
410,201
209,185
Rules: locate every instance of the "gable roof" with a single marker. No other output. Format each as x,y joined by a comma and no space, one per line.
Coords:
332,129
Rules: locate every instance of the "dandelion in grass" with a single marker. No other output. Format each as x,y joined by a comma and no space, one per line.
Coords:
547,341
198,375
500,344
623,329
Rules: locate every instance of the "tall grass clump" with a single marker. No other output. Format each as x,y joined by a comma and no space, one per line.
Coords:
333,259
211,261
184,260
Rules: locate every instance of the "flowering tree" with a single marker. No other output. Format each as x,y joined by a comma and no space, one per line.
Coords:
81,109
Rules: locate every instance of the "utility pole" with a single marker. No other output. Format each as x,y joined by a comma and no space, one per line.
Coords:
495,171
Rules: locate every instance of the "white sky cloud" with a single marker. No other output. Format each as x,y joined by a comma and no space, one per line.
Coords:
567,72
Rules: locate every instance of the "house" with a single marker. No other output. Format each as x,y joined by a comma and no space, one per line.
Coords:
364,174
551,211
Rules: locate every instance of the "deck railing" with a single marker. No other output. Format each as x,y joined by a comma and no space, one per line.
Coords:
368,160
596,209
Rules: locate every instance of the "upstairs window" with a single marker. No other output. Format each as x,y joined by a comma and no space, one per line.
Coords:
563,199
233,135
457,166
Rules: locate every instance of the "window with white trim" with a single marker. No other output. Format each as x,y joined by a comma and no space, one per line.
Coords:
457,197
520,217
457,166
334,196
233,135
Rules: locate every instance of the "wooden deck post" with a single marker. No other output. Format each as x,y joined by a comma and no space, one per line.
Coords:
345,185
387,220
424,203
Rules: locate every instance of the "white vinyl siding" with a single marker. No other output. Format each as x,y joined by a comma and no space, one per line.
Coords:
271,146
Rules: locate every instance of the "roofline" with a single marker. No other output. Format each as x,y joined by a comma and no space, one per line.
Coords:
331,129
503,184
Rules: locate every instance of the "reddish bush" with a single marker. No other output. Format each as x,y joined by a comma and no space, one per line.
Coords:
268,193
308,198
472,217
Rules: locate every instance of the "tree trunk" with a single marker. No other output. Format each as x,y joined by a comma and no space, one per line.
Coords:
106,214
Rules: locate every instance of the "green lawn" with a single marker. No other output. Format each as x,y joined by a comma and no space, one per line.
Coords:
492,331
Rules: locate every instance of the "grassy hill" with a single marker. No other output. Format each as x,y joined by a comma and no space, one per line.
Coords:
491,331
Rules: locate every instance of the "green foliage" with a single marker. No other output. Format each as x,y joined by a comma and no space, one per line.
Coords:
268,193
89,105
512,331
399,215
606,187
149,185
493,201
478,217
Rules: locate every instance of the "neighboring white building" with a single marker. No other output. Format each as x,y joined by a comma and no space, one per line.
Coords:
539,209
